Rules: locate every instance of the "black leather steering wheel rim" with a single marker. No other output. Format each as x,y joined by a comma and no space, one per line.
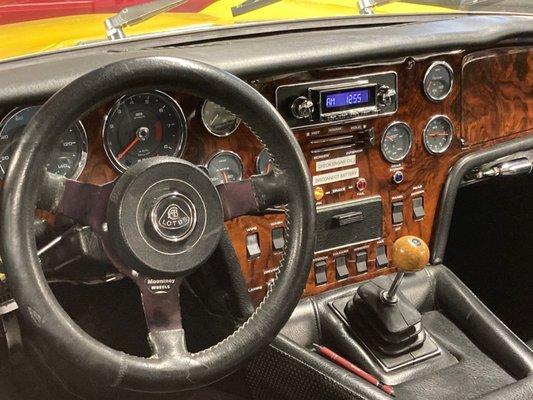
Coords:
37,304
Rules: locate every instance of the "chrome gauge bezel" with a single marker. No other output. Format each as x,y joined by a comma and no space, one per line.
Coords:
111,157
210,130
389,159
84,141
450,138
450,70
258,160
217,153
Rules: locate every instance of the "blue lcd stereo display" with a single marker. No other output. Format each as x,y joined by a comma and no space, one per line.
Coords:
340,100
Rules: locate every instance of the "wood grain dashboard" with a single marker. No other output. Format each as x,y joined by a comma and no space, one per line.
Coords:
491,100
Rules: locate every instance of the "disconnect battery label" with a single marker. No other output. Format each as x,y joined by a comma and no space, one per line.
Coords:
336,176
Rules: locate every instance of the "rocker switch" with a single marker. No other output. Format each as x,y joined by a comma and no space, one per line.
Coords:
381,257
397,212
252,246
341,270
278,239
361,261
418,208
321,276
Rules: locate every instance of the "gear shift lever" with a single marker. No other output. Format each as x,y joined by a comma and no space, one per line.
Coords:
381,314
409,254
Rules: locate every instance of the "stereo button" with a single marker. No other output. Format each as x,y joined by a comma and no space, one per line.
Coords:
302,107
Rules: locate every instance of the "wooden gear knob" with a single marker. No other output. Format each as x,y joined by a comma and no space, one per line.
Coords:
410,254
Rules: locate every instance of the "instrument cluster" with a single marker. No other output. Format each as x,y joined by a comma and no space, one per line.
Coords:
136,127
437,136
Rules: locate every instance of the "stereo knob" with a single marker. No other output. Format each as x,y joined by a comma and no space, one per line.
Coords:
386,95
302,107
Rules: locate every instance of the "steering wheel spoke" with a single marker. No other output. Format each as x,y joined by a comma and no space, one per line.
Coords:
83,202
162,312
254,195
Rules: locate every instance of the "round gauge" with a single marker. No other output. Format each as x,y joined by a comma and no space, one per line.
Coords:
396,142
224,167
141,126
264,163
438,134
438,81
68,156
219,121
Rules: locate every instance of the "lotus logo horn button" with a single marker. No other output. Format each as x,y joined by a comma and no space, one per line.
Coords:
173,217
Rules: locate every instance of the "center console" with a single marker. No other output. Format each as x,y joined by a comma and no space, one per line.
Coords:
388,146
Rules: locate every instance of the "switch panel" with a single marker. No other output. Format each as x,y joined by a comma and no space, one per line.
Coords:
418,208
252,246
361,261
321,276
278,239
341,270
381,257
397,212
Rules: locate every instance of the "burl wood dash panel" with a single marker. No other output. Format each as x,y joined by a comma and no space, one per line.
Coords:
491,101
497,94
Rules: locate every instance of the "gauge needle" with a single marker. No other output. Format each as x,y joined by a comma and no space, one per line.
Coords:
128,147
225,176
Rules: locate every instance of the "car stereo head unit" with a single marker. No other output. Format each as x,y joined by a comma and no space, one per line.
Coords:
323,102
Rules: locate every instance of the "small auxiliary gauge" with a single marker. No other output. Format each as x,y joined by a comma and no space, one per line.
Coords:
224,166
438,81
438,134
217,120
264,163
396,142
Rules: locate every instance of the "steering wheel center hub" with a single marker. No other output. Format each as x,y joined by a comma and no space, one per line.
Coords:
164,217
173,217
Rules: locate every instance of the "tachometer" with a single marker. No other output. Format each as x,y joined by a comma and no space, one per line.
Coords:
224,167
438,81
219,121
143,125
438,134
68,157
396,142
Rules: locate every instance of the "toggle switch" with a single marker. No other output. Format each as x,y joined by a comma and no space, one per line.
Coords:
341,269
252,246
278,239
321,276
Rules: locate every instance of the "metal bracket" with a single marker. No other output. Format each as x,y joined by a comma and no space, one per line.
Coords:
134,15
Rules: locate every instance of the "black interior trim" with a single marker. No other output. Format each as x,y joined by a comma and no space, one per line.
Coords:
35,79
455,176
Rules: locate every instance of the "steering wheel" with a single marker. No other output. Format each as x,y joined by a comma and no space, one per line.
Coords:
158,222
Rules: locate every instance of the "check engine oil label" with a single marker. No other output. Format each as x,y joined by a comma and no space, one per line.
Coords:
333,163
335,176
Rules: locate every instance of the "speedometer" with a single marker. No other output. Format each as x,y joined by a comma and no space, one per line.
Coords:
141,126
68,157
396,142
